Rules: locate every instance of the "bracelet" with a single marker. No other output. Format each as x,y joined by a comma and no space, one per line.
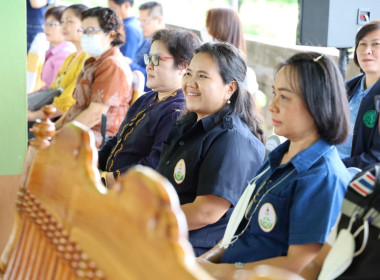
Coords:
239,265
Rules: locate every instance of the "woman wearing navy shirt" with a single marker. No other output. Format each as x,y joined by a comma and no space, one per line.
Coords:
149,119
287,211
215,147
362,147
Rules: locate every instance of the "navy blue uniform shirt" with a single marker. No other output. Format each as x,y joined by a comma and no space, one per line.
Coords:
140,135
366,138
201,158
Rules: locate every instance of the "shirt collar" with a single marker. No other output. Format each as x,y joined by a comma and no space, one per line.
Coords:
361,86
59,47
228,122
304,159
208,122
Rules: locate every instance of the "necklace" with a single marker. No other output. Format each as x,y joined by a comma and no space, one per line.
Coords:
254,201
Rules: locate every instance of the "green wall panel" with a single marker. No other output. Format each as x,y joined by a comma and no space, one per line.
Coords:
13,125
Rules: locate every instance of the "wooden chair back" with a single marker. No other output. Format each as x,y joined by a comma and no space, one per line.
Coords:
68,226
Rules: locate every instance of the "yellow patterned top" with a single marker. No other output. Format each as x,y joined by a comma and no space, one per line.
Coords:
66,80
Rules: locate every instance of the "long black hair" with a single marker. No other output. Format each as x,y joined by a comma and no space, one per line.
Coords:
232,67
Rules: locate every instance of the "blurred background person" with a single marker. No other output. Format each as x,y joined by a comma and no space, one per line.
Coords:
35,17
362,146
223,24
67,76
133,33
105,84
151,20
59,48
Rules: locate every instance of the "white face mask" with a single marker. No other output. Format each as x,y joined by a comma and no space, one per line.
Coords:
342,252
205,36
93,45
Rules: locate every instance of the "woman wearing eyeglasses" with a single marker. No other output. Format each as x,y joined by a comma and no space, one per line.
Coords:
59,48
105,84
148,120
67,76
362,147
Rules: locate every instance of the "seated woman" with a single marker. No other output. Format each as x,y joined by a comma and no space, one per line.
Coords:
59,48
362,147
147,123
68,74
362,202
213,149
287,211
105,84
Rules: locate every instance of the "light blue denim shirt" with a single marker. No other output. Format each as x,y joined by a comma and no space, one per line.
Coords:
344,149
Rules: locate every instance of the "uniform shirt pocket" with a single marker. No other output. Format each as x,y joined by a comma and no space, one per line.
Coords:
271,218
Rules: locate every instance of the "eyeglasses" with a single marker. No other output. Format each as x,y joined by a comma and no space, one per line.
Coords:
154,58
50,24
89,30
377,103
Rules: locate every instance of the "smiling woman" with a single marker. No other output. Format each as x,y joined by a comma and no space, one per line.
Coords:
216,146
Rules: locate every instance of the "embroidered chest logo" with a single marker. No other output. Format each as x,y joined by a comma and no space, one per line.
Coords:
369,118
267,217
179,171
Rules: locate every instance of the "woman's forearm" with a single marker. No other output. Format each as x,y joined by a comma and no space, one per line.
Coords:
92,115
205,210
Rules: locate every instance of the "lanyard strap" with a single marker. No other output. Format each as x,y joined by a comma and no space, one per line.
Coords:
245,205
239,211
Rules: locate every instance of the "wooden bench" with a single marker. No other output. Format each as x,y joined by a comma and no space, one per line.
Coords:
69,226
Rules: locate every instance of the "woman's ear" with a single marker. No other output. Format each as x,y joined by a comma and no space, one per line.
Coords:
112,35
231,88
